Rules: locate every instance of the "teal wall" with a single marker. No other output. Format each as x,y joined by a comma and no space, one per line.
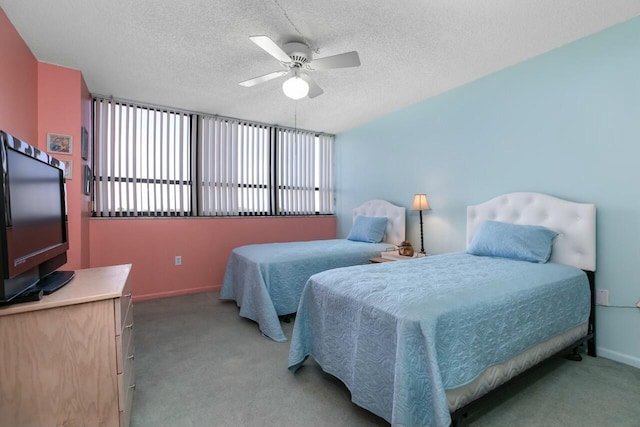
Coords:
566,123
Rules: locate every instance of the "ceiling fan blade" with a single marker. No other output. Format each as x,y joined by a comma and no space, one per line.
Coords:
314,89
343,60
271,48
262,79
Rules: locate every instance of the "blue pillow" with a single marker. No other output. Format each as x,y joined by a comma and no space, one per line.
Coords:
531,243
368,229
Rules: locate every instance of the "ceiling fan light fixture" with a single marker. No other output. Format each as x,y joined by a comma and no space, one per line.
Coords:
295,88
297,60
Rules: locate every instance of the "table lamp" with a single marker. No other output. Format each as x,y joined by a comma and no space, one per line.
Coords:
421,203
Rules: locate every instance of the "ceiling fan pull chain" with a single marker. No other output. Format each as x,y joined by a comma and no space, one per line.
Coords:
304,39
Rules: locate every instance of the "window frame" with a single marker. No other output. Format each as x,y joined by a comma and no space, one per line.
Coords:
275,186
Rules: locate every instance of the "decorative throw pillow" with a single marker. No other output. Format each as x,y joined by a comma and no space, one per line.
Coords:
368,229
531,243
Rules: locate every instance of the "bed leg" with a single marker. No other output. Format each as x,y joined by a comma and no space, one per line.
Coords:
575,355
591,347
591,342
459,419
286,318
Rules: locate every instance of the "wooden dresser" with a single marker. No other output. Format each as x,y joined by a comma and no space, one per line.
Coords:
68,359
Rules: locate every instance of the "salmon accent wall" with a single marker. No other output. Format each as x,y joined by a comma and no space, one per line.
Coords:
85,204
60,111
151,245
18,85
37,98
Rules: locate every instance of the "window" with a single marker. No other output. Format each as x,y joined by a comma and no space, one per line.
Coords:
304,172
156,162
142,161
235,176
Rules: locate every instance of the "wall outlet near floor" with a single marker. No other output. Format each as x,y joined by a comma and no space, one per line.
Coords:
602,297
178,260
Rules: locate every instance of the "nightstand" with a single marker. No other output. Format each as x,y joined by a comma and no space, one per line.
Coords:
378,260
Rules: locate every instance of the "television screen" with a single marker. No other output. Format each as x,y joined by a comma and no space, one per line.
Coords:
33,223
35,208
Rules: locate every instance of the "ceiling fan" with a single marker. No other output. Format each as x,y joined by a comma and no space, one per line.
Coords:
297,60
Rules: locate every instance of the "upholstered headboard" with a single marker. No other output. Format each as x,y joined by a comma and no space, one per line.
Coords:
575,223
394,233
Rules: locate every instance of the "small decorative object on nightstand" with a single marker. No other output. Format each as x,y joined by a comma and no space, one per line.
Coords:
420,203
405,248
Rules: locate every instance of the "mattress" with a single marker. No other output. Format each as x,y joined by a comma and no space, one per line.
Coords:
400,334
266,280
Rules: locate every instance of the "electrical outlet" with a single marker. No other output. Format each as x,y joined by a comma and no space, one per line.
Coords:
178,260
602,297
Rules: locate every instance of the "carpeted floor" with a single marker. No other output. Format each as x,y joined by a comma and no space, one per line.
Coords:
200,364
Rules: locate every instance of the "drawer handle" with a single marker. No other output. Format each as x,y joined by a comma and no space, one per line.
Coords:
133,356
129,326
128,295
132,386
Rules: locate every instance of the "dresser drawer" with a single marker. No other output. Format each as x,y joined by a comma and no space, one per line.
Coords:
127,383
126,379
124,342
122,306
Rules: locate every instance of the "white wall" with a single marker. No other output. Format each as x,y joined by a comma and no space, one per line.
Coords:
566,123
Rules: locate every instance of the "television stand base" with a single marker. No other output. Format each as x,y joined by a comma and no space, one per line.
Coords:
55,281
33,294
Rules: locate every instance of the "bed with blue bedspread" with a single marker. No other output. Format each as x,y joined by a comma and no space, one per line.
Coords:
266,280
415,341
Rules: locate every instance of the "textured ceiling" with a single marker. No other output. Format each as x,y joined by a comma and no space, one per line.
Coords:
191,54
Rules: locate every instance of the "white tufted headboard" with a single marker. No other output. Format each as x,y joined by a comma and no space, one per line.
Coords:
394,233
576,223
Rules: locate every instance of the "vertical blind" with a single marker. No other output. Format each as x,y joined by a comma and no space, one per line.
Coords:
233,167
325,173
156,162
141,161
296,172
252,169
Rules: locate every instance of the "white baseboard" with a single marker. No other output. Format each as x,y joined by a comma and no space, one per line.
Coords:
618,357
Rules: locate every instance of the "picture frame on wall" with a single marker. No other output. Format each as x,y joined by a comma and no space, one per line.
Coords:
88,180
85,144
68,169
59,144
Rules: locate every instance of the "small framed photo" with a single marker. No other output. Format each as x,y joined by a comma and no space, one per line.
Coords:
59,144
85,143
68,169
88,180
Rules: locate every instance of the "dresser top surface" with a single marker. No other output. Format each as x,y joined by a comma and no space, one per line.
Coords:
92,284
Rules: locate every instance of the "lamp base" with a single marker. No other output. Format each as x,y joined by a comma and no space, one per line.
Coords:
421,236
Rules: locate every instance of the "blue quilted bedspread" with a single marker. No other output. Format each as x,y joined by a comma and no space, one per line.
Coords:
266,280
399,334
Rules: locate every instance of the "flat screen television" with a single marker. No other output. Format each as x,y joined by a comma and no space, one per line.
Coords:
33,221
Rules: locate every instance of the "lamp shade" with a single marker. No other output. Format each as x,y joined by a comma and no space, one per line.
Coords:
295,88
420,203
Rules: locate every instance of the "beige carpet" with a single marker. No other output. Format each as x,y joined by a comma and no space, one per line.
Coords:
199,364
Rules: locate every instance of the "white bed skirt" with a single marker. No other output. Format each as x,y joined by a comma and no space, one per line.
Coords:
501,373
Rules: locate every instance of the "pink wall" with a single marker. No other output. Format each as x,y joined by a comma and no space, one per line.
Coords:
204,244
60,111
38,98
18,85
85,204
